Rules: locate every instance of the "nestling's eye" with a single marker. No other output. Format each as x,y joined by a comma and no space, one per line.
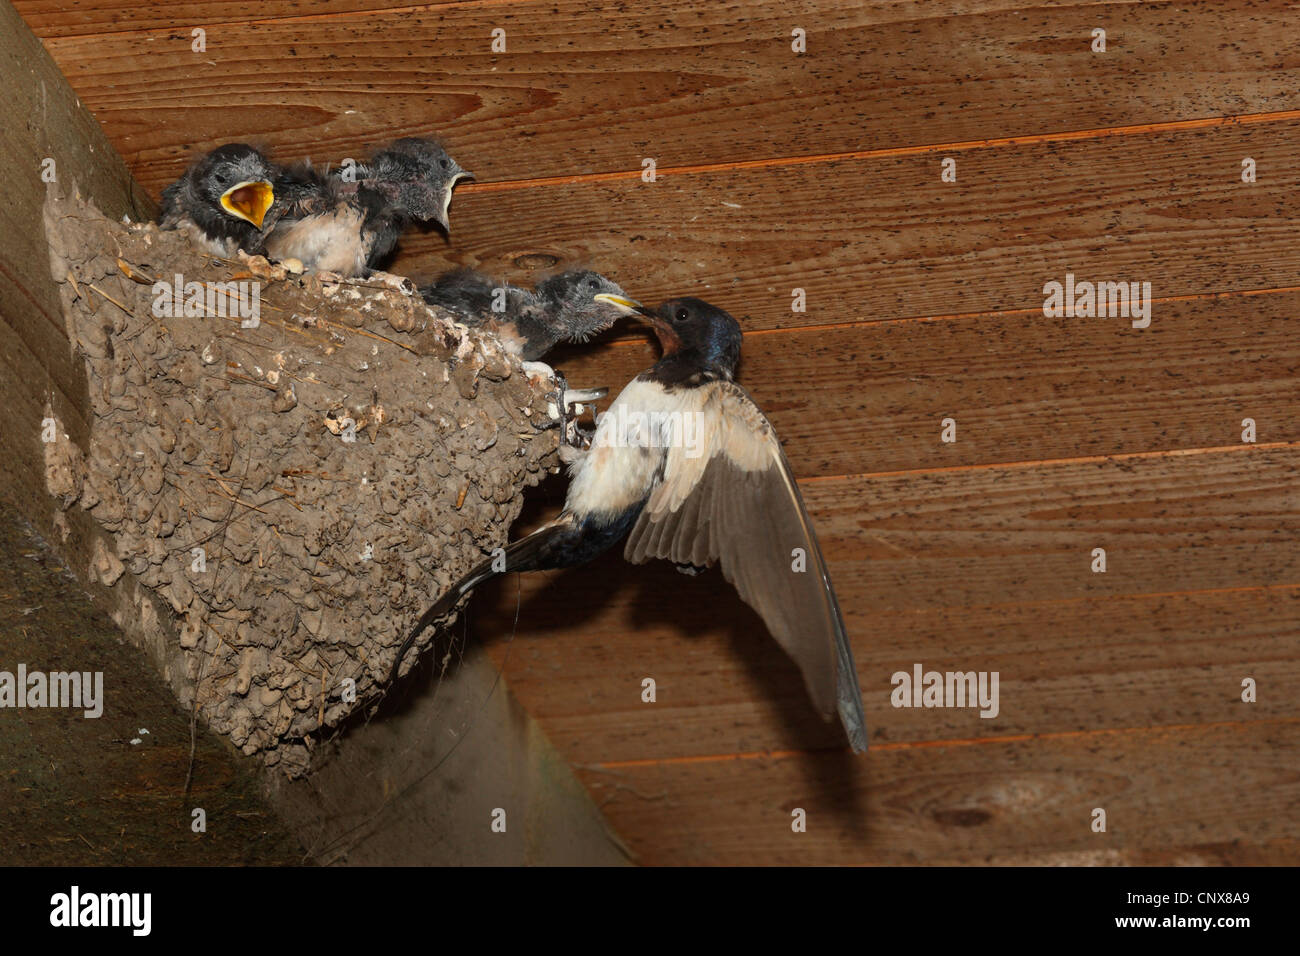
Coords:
443,163
593,283
682,314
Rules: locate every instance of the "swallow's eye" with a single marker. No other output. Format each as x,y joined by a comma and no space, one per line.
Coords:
682,314
593,284
443,163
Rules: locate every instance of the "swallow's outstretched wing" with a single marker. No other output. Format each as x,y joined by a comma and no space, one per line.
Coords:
730,498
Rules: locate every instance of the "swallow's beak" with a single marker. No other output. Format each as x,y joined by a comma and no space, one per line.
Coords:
622,303
663,329
249,200
650,317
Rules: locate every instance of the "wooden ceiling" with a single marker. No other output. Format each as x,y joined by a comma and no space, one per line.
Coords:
821,171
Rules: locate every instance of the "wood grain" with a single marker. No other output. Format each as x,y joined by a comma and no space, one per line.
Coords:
884,238
589,87
1188,795
1127,661
979,569
870,397
58,18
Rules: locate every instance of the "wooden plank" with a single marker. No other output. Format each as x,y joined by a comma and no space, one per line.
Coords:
977,569
713,83
1201,795
884,238
57,18
726,687
870,398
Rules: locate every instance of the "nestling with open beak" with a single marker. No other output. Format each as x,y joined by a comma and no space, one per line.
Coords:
223,199
688,469
347,222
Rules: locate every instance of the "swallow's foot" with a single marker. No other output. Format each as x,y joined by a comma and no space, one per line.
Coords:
564,405
576,436
541,373
559,409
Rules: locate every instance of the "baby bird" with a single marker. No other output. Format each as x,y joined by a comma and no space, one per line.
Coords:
347,222
569,307
417,177
223,199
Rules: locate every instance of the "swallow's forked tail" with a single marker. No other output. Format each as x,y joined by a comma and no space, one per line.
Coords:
533,552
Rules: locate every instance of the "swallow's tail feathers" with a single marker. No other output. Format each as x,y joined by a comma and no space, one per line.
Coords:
562,543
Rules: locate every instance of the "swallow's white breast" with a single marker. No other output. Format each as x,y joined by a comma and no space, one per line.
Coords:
631,440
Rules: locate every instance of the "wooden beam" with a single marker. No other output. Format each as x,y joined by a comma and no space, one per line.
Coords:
709,83
46,134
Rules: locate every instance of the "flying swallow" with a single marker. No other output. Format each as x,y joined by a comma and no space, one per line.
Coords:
348,221
725,495
569,307
223,199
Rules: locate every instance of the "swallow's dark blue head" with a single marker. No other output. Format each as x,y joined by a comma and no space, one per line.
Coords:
695,333
417,177
233,182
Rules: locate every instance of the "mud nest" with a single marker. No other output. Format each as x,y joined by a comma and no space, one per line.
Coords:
296,491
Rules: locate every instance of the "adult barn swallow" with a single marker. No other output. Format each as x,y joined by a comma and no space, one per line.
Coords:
222,199
727,497
349,225
569,307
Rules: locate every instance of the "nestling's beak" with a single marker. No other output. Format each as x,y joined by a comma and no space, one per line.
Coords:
443,218
624,304
249,200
